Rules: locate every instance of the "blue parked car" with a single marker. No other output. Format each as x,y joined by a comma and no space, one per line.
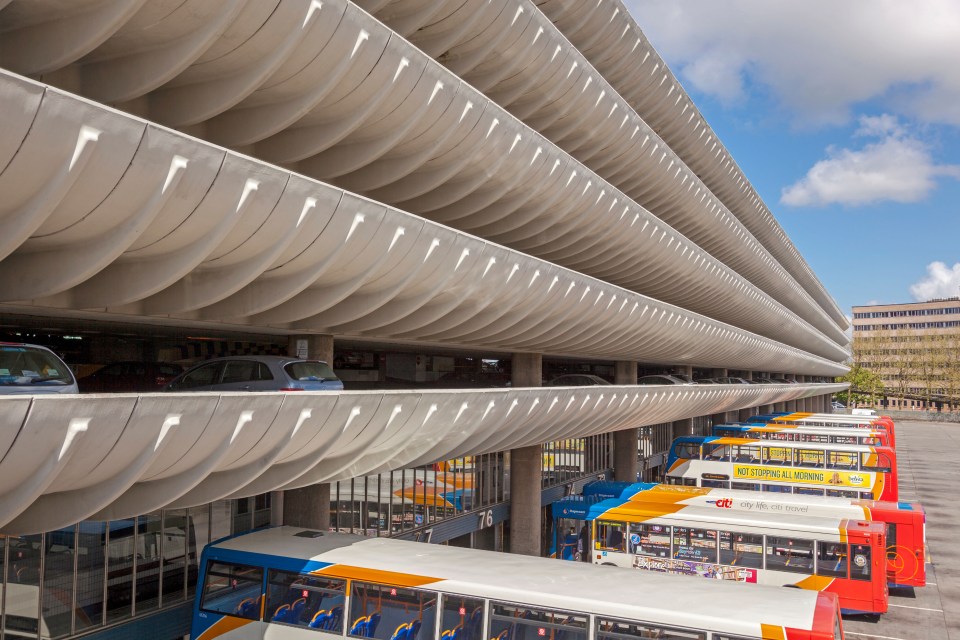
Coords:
258,373
29,369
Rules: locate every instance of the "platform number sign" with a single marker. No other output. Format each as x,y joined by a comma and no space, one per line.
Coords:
486,519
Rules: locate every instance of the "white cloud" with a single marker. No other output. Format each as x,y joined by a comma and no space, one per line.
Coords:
816,57
941,281
898,167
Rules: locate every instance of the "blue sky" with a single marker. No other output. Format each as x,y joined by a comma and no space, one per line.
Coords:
845,117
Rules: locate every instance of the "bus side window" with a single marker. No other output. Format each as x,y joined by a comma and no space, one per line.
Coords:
386,612
832,559
461,618
875,462
741,549
687,451
610,536
860,562
305,600
520,622
611,629
789,554
232,589
809,458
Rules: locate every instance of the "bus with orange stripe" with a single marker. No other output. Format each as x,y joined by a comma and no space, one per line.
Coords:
835,555
803,433
830,420
844,471
905,522
292,583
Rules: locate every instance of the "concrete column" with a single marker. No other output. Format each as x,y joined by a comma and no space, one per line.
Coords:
525,486
309,506
313,347
625,442
527,370
526,469
625,373
683,427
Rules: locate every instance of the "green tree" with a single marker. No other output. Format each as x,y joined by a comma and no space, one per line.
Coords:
864,384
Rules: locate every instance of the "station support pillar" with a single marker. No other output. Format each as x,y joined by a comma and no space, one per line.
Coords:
683,427
526,469
744,414
720,418
626,465
308,506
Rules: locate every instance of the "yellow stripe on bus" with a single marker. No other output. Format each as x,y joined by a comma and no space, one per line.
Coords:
376,575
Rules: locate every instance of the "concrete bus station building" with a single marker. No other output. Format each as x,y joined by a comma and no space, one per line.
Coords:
451,202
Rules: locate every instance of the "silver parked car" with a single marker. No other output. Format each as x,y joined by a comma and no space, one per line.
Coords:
258,373
576,380
32,369
662,378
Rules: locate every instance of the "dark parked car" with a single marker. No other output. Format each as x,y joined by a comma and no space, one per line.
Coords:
29,369
258,373
130,376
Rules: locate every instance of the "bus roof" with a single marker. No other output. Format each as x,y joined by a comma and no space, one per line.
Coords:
770,523
782,444
573,586
648,492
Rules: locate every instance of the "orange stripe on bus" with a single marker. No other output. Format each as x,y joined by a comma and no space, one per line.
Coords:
816,583
376,575
771,632
222,626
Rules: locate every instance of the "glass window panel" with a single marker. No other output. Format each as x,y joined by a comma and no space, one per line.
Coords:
149,565
845,493
233,589
58,581
699,545
23,586
841,460
777,455
746,486
612,629
808,491
812,458
741,549
518,622
120,553
462,618
875,462
610,535
832,559
305,600
391,613
178,533
746,454
777,488
860,566
91,556
239,371
790,554
650,540
719,452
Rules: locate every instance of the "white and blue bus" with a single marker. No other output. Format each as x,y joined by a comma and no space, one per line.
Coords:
293,583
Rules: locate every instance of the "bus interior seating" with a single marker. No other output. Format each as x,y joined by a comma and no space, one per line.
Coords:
321,620
474,625
248,608
281,614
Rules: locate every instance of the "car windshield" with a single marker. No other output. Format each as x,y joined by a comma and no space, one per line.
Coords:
309,370
23,366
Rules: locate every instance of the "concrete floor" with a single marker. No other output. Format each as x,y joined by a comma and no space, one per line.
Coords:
928,454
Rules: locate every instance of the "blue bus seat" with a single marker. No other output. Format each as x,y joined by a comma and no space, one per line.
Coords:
401,632
372,623
320,619
414,630
336,617
360,626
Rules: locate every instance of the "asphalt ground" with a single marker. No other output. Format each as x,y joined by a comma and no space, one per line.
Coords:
928,457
